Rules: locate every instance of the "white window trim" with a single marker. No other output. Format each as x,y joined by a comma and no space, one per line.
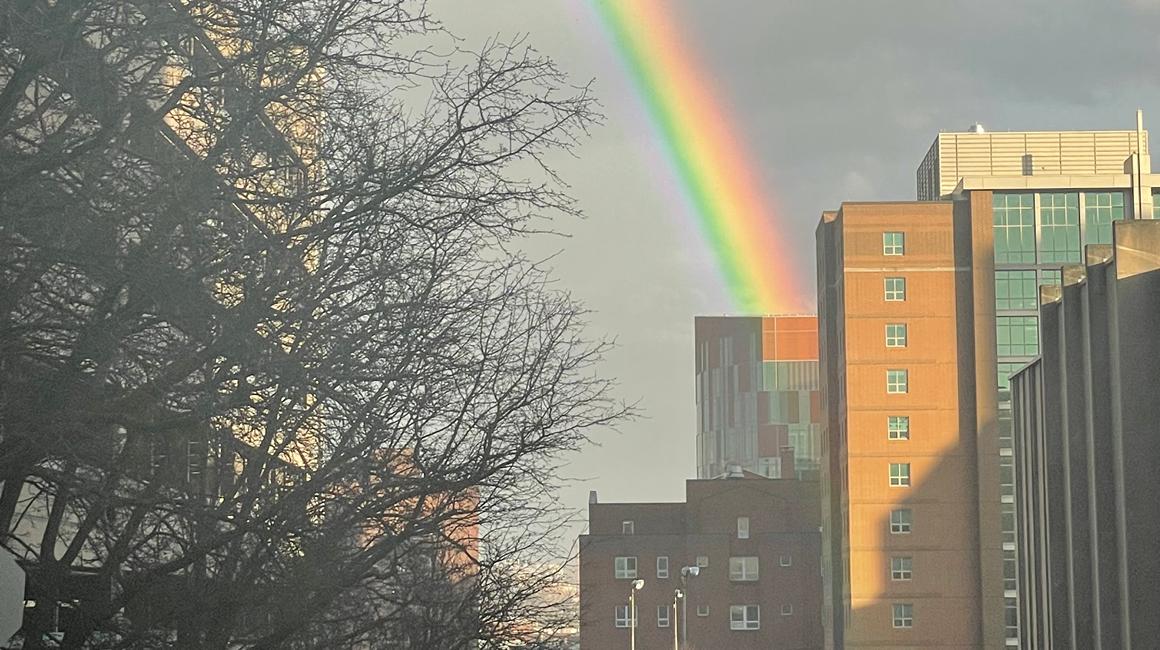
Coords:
901,574
898,388
628,527
665,572
745,623
702,610
894,250
787,609
898,434
899,620
626,573
895,341
663,621
894,295
743,574
896,528
743,530
902,480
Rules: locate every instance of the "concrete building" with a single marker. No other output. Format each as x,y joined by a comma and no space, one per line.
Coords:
757,395
755,542
1053,192
1085,425
910,529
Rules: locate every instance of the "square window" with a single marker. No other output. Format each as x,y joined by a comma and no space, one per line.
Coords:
897,382
896,335
899,474
900,568
900,521
744,617
625,567
1016,290
702,561
743,569
663,566
903,615
785,560
895,289
893,243
898,427
787,610
627,528
662,615
1017,336
743,528
702,610
622,618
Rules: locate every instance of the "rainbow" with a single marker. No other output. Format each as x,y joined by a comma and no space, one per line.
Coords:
735,218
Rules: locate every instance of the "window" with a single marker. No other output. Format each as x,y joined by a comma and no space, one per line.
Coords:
1010,575
743,569
903,615
1100,210
1016,290
900,521
785,560
743,528
663,566
627,528
787,610
1017,336
898,427
1051,276
621,618
1014,228
625,567
1006,369
744,617
702,610
1059,228
896,381
896,335
893,243
895,289
899,474
900,568
662,615
702,561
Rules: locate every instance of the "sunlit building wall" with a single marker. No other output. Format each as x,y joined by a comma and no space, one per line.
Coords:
1053,192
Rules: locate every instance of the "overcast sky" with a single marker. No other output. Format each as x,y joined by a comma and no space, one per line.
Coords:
836,101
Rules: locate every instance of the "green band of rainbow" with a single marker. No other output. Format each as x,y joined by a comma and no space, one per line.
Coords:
734,217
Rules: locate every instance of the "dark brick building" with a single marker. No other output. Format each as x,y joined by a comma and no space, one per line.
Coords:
758,547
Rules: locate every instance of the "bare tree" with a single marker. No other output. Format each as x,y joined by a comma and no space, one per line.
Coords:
271,372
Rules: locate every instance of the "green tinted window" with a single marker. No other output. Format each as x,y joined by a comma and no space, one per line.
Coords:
1051,276
1017,336
1100,210
1015,290
1006,369
1014,228
1059,228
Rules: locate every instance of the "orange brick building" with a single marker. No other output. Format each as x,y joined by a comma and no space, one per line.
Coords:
910,459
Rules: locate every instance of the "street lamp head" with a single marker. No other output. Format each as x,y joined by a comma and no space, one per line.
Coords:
637,584
691,571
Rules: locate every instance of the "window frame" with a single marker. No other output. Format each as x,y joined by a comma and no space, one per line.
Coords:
893,243
745,623
702,610
898,427
666,620
662,574
902,615
897,335
741,569
894,289
627,620
743,530
902,477
901,568
787,609
628,527
897,381
624,573
904,523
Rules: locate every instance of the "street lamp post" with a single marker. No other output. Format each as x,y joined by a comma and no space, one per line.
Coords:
636,585
677,595
686,573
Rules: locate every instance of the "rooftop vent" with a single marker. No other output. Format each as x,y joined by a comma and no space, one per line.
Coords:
733,470
976,128
592,496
